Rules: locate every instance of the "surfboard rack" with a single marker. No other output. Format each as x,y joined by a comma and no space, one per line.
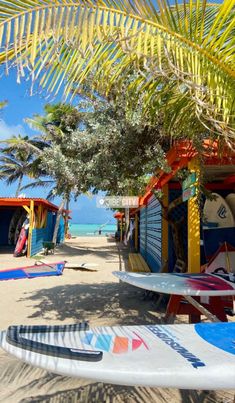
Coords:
14,337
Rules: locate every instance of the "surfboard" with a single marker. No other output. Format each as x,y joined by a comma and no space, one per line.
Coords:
218,212
199,356
68,265
81,266
181,283
19,249
19,227
230,199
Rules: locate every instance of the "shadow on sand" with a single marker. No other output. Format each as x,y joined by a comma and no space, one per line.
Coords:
79,302
81,250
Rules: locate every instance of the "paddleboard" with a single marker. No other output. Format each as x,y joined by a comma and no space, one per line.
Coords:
230,199
218,212
199,356
181,283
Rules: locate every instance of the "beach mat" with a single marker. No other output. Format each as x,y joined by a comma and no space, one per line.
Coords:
53,269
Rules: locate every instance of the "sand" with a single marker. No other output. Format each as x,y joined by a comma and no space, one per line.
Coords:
96,296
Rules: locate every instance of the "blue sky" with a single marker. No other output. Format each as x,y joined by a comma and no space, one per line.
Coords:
20,106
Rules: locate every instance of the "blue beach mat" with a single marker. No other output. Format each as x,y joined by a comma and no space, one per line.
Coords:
52,269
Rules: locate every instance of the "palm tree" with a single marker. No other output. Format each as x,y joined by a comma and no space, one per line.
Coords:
189,45
15,164
59,120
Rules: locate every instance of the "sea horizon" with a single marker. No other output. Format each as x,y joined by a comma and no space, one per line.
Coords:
91,229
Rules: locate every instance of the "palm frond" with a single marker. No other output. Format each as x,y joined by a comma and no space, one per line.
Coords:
38,183
64,41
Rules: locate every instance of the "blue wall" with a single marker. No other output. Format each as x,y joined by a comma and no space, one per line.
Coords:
46,234
60,235
143,230
151,234
177,213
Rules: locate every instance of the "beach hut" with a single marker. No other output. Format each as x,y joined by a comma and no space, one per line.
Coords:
42,217
120,217
171,230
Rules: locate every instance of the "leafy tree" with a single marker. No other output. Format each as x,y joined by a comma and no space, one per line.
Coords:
113,149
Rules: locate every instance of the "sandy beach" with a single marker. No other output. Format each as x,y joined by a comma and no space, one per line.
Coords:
77,295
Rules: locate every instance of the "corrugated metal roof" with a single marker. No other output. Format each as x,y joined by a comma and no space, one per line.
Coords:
20,201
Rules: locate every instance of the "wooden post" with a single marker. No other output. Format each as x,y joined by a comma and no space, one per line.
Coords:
194,225
165,227
31,223
39,220
121,229
136,231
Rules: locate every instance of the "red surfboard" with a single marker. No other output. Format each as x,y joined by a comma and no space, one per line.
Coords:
20,243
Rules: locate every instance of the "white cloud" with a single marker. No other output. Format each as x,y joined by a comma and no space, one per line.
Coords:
7,131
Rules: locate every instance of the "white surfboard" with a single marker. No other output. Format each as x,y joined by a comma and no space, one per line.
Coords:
68,265
230,199
199,356
81,266
181,283
218,211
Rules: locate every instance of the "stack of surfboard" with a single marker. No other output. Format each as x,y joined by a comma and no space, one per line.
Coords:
220,212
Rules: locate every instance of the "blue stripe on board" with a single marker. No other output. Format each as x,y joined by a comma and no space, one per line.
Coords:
103,342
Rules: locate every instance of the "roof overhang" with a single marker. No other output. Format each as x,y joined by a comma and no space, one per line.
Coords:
220,165
19,202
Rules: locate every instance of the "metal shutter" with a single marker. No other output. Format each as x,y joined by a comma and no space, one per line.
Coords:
154,234
142,229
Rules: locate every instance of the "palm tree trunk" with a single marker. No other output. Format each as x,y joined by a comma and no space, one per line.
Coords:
57,223
19,186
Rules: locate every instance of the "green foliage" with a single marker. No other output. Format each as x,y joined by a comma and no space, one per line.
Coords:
113,149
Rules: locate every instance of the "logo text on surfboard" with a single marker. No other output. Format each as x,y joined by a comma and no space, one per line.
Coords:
194,361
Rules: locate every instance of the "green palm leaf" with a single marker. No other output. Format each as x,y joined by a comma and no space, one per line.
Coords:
190,44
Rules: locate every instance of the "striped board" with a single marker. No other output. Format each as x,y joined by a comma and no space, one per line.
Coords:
192,284
52,269
199,356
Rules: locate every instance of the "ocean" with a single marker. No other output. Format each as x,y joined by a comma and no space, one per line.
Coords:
92,229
